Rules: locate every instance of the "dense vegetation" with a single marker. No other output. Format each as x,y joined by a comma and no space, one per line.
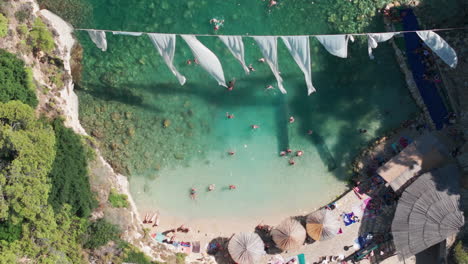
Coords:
16,81
118,200
73,11
69,174
3,26
40,37
26,156
100,233
460,255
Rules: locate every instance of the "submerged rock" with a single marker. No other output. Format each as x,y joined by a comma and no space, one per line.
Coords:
130,131
166,123
179,156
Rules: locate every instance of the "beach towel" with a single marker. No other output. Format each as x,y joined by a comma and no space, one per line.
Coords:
301,258
268,46
165,44
374,39
347,219
135,34
206,58
236,46
336,44
299,48
440,47
158,237
99,38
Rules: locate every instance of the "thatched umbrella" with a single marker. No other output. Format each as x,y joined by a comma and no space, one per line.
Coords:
246,248
322,225
428,212
290,234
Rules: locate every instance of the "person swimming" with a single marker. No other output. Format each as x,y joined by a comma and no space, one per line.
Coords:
292,162
217,23
251,68
211,187
291,119
310,132
231,84
282,153
229,116
232,187
269,87
261,60
272,3
255,126
193,193
231,153
299,153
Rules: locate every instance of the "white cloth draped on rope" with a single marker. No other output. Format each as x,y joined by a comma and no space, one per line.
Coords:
236,46
336,44
268,46
165,44
299,48
374,39
99,38
206,58
136,34
439,47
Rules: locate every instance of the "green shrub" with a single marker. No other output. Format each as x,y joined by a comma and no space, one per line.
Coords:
69,174
41,37
21,15
460,254
99,233
16,81
22,30
3,26
180,258
10,232
118,200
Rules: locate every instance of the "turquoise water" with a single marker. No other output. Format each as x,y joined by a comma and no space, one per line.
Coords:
169,138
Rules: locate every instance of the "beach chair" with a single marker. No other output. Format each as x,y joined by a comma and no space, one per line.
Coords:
301,258
186,249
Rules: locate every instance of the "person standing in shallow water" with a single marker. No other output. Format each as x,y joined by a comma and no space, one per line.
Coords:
193,193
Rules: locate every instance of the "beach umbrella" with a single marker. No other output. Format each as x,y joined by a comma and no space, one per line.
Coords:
322,225
246,248
428,212
290,234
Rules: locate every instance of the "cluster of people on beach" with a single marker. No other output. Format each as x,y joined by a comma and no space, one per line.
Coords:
151,219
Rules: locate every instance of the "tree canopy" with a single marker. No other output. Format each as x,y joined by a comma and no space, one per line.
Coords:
16,81
69,174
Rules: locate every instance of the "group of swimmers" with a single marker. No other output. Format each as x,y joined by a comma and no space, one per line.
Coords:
211,187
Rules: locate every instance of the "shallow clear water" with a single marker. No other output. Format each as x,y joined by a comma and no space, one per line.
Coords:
127,94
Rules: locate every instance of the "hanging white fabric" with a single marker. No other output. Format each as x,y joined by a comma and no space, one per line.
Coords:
268,46
336,44
299,48
440,47
99,38
165,44
373,40
136,34
206,58
236,46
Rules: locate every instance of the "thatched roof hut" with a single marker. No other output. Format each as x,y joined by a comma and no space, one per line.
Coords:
246,248
422,155
322,225
288,235
428,212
